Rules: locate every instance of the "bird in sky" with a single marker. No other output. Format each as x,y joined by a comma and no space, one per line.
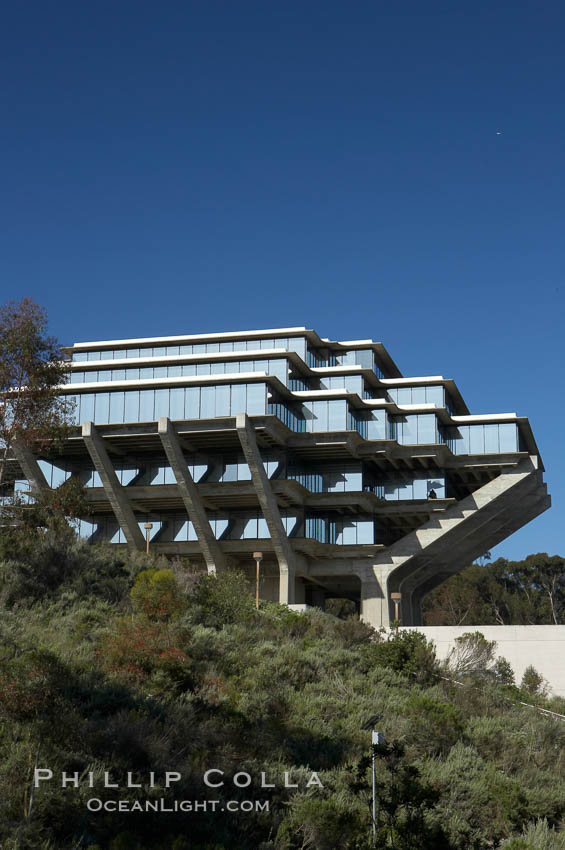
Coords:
498,133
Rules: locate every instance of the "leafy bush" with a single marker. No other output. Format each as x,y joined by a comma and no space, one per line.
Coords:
155,593
405,652
224,599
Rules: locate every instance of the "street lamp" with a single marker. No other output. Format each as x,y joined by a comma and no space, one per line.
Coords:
258,558
147,526
396,597
377,740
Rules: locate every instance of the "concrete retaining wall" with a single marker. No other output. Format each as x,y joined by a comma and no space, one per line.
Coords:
543,647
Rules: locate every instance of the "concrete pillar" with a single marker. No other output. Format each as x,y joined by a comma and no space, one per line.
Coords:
211,550
30,467
114,490
375,606
270,508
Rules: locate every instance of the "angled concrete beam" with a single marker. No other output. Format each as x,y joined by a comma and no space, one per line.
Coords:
465,528
270,508
497,530
114,490
213,555
30,467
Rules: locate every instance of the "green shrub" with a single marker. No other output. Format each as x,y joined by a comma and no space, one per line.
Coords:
155,593
405,652
224,599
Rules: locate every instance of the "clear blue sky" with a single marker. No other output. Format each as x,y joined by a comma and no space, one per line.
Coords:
206,166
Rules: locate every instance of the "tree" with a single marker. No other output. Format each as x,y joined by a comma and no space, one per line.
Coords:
528,592
32,370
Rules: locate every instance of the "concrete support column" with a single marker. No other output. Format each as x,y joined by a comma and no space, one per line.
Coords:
114,490
270,508
30,467
375,607
211,550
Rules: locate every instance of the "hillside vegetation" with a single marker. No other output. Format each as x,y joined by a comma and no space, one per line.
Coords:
114,662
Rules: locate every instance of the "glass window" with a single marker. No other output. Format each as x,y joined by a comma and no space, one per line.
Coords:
119,354
256,399
376,426
364,358
463,442
172,349
420,490
298,345
408,430
491,439
427,430
278,369
93,355
207,402
435,395
508,437
174,371
203,369
243,472
87,402
365,532
161,403
337,415
117,407
79,356
230,472
180,529
146,405
177,403
189,369
320,416
223,400
192,402
353,479
476,440
250,528
102,408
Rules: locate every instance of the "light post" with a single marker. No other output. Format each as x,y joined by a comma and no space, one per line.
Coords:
258,558
377,739
396,597
147,526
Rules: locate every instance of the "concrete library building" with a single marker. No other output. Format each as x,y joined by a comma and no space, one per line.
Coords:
351,480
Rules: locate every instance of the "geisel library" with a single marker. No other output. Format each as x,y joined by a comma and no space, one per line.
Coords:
352,480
